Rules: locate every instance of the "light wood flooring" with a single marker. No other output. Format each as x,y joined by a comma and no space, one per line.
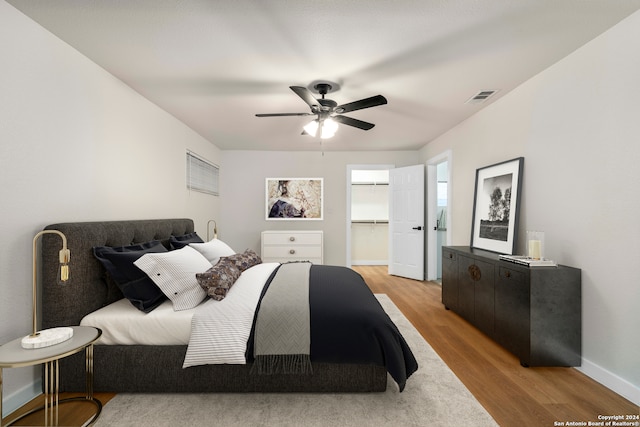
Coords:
69,414
513,395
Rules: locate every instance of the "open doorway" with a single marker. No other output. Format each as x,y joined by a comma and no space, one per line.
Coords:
439,212
367,214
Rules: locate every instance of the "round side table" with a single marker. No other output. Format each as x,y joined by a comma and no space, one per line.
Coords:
12,355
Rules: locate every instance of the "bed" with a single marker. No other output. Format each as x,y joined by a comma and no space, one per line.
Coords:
144,367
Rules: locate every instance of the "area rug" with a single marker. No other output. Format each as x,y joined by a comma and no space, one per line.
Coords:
434,396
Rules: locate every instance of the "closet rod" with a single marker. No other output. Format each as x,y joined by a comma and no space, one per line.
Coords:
369,183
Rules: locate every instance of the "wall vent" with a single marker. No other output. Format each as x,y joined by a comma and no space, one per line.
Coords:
481,97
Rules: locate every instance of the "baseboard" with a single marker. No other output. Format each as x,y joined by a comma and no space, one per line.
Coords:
18,398
610,380
369,262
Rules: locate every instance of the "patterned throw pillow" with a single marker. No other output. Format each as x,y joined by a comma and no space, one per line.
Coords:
217,280
245,260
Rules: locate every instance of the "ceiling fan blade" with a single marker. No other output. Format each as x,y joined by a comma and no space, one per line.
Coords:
283,114
373,101
350,121
307,96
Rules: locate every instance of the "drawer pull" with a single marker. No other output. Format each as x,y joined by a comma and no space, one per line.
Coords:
507,274
450,255
292,251
474,272
292,239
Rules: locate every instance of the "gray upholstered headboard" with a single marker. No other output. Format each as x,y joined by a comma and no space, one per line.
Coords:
86,290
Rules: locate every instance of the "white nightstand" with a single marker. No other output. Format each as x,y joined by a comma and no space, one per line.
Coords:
12,355
286,246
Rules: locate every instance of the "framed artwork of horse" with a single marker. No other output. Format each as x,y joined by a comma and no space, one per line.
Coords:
293,199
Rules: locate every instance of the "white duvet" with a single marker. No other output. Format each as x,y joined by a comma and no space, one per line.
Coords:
215,331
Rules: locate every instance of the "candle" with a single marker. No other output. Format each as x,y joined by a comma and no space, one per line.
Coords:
534,249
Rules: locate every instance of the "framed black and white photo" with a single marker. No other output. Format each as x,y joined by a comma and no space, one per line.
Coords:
294,198
496,206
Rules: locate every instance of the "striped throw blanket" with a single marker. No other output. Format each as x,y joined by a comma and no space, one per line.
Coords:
283,329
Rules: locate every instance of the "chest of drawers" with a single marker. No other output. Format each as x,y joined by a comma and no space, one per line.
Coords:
286,246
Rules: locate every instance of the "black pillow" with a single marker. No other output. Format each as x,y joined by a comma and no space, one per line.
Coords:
179,242
134,283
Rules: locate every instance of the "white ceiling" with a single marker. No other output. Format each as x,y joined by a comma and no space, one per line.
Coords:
214,64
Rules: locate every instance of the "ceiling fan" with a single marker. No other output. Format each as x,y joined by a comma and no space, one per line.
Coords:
328,111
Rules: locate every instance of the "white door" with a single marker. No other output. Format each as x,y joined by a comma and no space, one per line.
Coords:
406,222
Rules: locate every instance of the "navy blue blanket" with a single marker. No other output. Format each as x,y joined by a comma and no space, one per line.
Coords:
348,325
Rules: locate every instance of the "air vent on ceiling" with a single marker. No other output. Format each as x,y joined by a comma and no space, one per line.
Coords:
481,97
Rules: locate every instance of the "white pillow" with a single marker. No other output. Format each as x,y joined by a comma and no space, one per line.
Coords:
213,250
175,274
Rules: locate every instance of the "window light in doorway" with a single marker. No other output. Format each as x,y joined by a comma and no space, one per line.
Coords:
202,175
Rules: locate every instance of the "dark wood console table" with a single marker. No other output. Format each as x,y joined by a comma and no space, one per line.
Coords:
534,312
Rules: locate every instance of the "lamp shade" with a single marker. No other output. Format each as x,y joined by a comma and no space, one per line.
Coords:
329,128
311,128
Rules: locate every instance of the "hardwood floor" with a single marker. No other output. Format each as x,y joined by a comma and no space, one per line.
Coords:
513,395
69,414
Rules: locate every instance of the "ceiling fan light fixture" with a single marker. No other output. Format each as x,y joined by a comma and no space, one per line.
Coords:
329,129
328,113
311,128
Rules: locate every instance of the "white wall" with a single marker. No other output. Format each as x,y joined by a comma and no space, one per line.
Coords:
242,180
76,144
577,124
369,244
